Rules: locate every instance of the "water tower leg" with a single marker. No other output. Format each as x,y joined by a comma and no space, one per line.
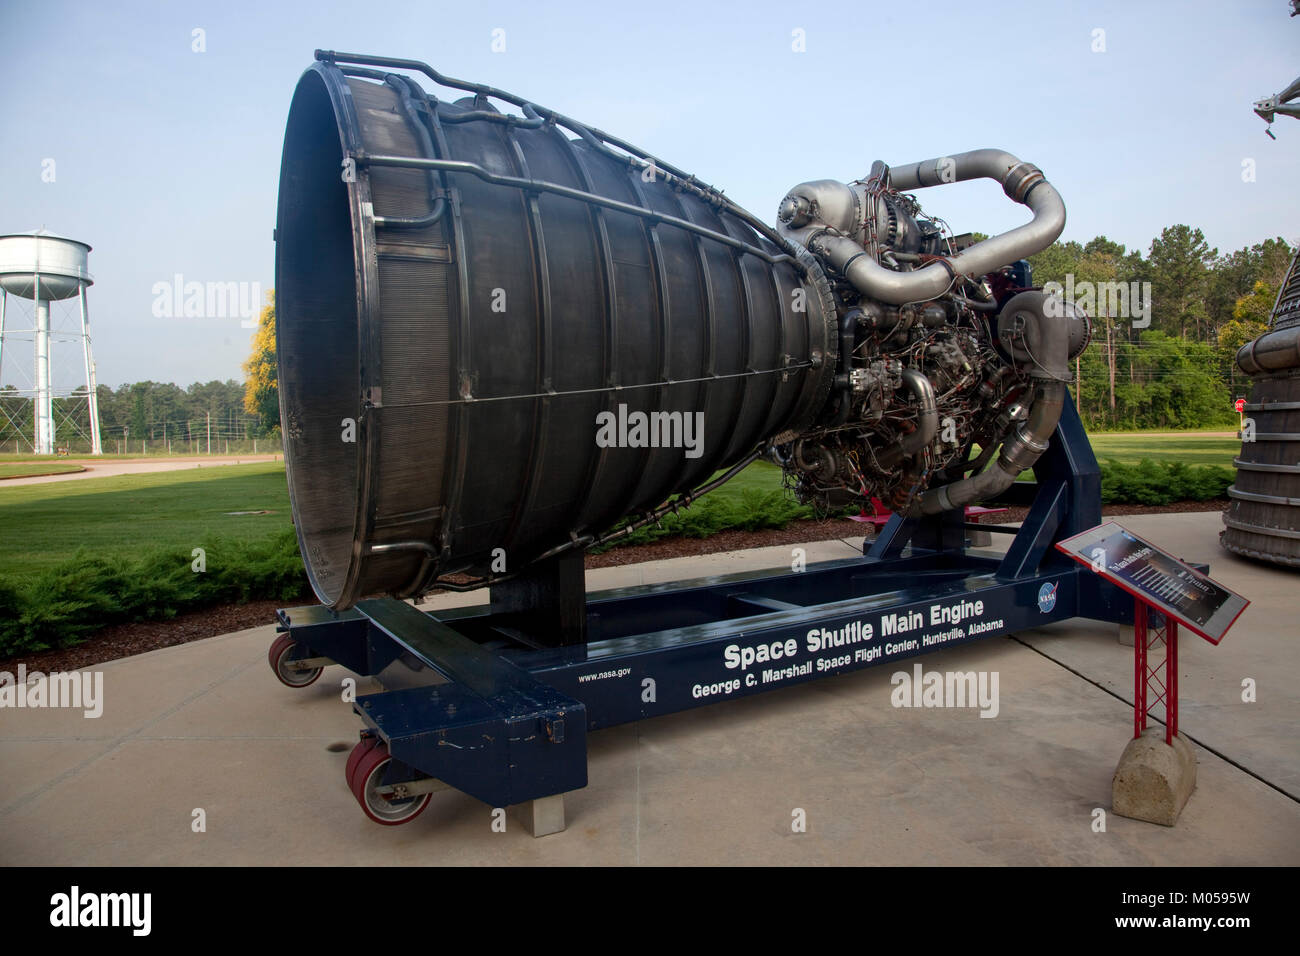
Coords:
44,410
4,299
92,394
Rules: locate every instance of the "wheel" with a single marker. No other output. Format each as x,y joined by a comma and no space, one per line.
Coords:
363,747
278,656
367,776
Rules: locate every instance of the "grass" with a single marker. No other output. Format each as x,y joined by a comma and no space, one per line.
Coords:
1190,448
1129,448
21,470
761,476
127,516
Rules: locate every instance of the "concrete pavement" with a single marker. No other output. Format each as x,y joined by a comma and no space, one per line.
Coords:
206,726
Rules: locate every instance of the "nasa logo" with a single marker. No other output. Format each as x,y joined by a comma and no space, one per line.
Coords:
1047,597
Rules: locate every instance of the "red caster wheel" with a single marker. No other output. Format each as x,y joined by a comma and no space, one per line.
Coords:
367,743
366,778
284,670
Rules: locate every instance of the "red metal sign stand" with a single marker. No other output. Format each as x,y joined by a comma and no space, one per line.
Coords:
1154,683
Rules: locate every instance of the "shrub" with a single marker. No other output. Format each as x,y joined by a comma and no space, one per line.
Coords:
61,606
1151,483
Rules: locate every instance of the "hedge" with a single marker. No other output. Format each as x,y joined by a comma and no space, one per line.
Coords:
61,606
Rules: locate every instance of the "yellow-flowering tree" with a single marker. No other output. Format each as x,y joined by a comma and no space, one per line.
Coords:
261,397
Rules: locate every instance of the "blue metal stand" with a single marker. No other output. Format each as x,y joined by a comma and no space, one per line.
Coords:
472,700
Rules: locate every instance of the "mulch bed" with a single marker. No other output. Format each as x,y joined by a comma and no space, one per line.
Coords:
125,640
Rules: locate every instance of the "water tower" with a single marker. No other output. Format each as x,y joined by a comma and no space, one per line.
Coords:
44,268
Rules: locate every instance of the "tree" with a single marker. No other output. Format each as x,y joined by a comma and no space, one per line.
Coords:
1274,257
1100,245
1236,275
1099,267
261,394
1182,387
1180,269
138,423
1249,320
1055,262
219,404
1257,307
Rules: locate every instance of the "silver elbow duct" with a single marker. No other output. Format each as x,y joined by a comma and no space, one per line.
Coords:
819,214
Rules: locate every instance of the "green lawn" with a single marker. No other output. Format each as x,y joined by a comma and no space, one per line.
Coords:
20,470
1129,448
43,525
760,476
1192,448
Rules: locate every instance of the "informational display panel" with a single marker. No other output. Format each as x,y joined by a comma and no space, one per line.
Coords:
1158,578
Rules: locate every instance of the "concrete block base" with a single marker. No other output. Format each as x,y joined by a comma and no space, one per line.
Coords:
542,817
1154,780
1127,636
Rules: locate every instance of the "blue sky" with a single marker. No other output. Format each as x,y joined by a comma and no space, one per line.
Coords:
167,160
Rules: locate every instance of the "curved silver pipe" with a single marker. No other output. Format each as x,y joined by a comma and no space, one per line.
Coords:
817,214
1046,332
927,423
1019,452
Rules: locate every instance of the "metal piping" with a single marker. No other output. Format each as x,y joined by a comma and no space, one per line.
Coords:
595,137
819,214
532,120
1050,370
1019,452
843,381
438,204
536,185
927,425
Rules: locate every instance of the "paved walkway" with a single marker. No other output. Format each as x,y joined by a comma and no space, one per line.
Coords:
206,726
